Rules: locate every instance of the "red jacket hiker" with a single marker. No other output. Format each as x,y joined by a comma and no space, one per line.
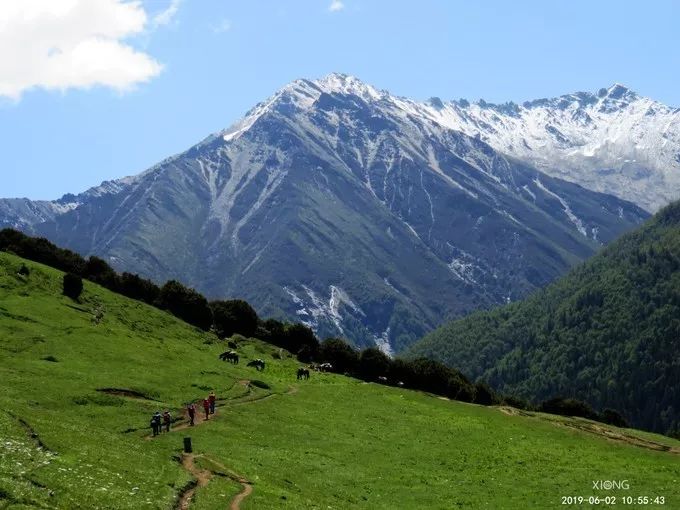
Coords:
166,420
206,407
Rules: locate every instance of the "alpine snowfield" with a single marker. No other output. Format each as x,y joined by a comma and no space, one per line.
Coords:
613,141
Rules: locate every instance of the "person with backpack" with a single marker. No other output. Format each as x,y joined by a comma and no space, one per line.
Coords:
156,423
166,420
211,399
206,407
191,411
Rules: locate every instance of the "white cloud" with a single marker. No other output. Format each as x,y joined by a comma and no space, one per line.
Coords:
166,16
222,26
62,44
336,5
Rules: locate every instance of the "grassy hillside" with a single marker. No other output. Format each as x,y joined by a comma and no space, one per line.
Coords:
330,442
608,333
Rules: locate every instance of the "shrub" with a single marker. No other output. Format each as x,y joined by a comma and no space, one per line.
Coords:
237,339
373,363
135,287
23,270
463,392
185,303
50,358
233,316
337,352
73,286
98,270
306,354
299,337
433,376
273,332
516,402
613,417
260,384
40,250
484,395
568,407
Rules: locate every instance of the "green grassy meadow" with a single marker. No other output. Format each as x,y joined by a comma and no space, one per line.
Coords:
328,443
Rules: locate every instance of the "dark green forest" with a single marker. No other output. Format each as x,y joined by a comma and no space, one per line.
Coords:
607,333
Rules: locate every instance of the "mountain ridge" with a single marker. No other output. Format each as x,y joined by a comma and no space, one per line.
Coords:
335,204
504,127
612,141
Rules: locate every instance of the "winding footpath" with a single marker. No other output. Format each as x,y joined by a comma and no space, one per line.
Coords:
602,430
203,476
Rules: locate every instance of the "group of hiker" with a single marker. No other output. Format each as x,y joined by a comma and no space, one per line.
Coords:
158,421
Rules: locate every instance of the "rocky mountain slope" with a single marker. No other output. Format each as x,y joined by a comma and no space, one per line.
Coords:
344,207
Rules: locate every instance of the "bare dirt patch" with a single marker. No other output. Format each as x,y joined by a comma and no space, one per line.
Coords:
620,436
31,433
123,392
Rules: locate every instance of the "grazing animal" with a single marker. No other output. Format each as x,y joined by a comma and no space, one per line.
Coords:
257,363
382,379
230,356
303,373
232,344
325,367
400,384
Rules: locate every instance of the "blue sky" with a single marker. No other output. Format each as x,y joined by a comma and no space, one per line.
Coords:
180,70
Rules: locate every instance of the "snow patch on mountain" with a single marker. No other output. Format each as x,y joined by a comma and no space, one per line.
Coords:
567,210
465,266
313,308
346,84
383,342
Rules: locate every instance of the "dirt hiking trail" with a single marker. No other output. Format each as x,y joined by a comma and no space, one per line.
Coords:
599,429
203,476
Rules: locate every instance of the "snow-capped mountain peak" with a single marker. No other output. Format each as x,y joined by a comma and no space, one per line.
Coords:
612,140
618,91
346,84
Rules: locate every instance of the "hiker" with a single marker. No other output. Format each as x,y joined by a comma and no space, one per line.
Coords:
211,399
206,407
166,420
191,411
156,423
